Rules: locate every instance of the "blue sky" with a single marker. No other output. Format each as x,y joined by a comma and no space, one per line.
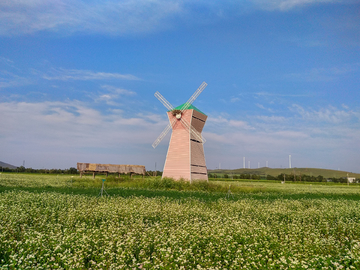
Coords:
77,81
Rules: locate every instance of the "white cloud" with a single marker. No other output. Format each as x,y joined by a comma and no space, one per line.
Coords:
330,114
228,123
324,74
19,77
59,134
112,95
53,128
238,124
125,17
316,142
234,99
290,134
83,75
267,94
263,107
285,5
9,79
118,91
213,137
260,106
272,118
111,17
6,61
153,118
57,120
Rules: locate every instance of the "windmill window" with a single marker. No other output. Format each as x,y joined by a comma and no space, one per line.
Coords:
199,119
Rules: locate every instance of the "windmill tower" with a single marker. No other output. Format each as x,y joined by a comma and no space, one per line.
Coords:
185,157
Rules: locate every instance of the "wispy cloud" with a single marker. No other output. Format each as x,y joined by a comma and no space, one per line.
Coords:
72,131
6,60
10,75
9,79
273,99
290,134
324,74
83,75
330,114
69,125
268,94
59,134
285,5
229,123
111,17
124,17
118,91
263,107
112,94
271,119
278,137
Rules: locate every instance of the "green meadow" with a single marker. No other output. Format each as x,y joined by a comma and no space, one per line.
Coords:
61,222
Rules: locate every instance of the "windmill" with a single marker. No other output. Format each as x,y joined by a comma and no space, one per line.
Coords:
185,157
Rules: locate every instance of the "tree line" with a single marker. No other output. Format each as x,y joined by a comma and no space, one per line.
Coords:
71,170
22,169
309,178
283,177
240,176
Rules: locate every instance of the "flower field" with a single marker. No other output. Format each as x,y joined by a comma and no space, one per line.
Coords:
43,229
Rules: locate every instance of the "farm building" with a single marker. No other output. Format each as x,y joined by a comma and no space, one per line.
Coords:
109,168
351,180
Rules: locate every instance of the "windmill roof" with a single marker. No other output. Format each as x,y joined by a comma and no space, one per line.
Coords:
191,107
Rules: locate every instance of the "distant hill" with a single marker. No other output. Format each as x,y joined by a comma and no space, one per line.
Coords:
276,171
6,165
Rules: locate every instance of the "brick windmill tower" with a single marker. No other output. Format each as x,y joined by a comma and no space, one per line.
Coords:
185,157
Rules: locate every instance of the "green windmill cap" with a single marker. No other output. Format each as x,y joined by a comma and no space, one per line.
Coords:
191,107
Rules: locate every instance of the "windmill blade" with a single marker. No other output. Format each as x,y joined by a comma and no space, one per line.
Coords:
164,101
194,96
193,131
163,134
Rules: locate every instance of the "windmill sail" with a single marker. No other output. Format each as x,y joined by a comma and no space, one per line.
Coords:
164,101
194,96
163,134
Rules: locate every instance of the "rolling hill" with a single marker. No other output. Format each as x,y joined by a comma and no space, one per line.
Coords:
276,171
6,165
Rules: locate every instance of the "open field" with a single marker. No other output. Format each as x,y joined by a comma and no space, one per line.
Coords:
277,171
310,188
49,221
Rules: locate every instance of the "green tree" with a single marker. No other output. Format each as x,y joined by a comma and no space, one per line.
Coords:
72,170
270,177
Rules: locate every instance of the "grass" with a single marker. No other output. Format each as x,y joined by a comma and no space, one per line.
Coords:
155,186
60,222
